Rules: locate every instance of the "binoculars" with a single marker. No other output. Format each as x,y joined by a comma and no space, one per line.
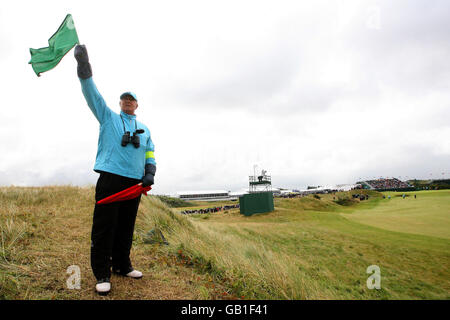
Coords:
134,139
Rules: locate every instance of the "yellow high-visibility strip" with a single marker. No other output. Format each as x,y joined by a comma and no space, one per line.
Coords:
149,154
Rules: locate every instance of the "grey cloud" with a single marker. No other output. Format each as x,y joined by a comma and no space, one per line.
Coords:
408,53
410,50
261,77
281,87
419,162
26,176
256,76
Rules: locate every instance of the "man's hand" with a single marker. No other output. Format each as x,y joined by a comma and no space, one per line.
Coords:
81,53
84,67
149,178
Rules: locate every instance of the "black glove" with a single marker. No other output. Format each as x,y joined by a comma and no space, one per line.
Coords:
84,67
149,178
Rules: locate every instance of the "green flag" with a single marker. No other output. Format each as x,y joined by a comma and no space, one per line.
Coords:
64,39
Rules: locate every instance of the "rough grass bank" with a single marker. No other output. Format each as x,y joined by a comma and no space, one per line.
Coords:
307,248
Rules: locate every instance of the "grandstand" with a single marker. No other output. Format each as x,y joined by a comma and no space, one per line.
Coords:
385,184
209,195
434,184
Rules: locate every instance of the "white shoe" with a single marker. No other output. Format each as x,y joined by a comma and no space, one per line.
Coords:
135,274
103,288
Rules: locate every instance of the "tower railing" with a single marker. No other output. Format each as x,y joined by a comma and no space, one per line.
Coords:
256,183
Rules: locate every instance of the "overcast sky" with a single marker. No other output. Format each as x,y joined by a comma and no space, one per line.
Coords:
316,93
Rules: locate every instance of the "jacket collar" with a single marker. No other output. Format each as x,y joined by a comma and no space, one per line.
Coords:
127,116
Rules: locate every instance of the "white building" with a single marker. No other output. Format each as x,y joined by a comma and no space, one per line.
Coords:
204,195
330,188
236,194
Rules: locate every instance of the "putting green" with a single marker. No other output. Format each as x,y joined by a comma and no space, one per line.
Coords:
428,214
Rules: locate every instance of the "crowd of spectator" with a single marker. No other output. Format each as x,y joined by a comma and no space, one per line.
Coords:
387,184
211,210
289,195
360,196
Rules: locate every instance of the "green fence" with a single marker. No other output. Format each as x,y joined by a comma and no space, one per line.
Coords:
256,203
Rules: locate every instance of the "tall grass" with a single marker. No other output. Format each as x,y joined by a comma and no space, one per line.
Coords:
28,216
252,268
305,249
12,231
175,202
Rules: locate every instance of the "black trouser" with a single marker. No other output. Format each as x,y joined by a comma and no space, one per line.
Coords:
113,226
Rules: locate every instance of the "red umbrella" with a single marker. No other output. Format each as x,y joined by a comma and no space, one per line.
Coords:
127,194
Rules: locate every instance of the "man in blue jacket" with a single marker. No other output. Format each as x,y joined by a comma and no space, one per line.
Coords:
125,157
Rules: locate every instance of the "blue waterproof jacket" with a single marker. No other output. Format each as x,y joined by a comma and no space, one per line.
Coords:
125,161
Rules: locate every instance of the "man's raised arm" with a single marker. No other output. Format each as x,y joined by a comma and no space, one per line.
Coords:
93,98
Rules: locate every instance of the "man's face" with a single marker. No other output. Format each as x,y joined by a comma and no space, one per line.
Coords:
128,105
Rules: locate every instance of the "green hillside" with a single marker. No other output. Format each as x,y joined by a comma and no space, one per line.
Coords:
307,248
